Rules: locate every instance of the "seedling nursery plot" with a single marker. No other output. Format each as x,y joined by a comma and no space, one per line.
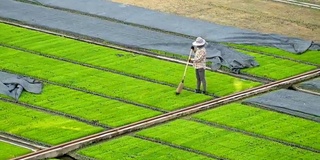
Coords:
128,147
307,57
10,151
118,61
41,127
276,68
94,80
264,122
90,107
199,138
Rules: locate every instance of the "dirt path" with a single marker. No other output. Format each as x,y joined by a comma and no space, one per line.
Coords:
258,15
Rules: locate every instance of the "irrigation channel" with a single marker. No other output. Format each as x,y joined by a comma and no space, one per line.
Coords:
299,3
63,149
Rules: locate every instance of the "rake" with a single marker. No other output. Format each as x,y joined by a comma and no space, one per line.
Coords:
180,87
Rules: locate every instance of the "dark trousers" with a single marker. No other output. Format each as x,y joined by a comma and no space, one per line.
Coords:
201,79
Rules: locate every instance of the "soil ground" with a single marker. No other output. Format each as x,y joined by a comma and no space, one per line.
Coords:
258,15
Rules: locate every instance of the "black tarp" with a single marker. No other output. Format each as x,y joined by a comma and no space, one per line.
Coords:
289,101
13,85
182,25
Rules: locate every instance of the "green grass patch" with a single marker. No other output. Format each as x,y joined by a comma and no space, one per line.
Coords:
276,68
264,122
134,148
87,106
42,127
8,151
120,61
308,56
223,143
107,83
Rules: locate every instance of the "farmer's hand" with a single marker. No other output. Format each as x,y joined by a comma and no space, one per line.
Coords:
192,47
190,60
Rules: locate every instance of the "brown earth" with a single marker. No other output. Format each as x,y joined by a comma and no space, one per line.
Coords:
258,15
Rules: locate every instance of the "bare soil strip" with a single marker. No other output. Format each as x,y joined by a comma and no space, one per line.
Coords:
262,16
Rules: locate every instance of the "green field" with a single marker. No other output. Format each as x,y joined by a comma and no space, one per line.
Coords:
307,57
264,122
8,151
134,148
223,143
41,127
276,68
87,106
118,61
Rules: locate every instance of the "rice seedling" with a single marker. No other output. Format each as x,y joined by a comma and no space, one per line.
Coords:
223,143
265,122
134,148
8,151
41,127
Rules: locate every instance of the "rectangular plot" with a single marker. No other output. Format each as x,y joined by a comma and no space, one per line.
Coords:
8,151
276,68
308,56
42,127
87,106
143,92
123,61
133,148
221,142
264,122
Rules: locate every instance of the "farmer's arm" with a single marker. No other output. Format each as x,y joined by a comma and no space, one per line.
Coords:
199,56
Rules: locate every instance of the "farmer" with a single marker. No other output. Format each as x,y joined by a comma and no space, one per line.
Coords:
199,63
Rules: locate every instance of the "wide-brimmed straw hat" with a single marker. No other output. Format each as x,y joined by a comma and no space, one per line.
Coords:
199,42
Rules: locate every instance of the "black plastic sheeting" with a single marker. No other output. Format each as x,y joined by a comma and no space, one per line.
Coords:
289,101
118,33
13,85
183,25
312,85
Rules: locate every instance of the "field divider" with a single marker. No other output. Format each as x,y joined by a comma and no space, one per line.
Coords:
76,144
93,123
22,142
88,91
179,147
121,47
252,134
96,67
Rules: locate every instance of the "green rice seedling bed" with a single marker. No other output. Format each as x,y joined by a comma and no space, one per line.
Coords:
308,56
134,148
98,81
124,62
41,127
8,151
87,106
265,122
276,68
223,143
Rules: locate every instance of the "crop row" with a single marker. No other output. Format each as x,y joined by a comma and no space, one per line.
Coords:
9,151
117,60
276,68
105,111
223,143
307,57
264,122
115,85
128,147
41,127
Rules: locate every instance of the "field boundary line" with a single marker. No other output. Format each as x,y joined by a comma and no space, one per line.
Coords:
178,147
57,113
